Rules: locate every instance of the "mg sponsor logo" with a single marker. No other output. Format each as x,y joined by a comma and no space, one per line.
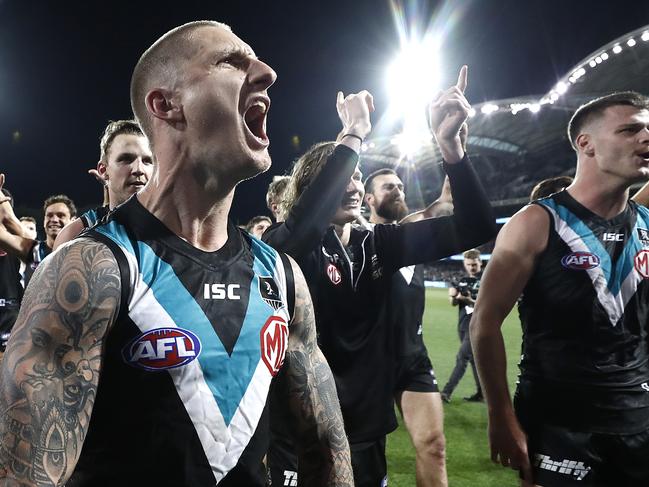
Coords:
162,348
334,274
274,340
580,261
641,263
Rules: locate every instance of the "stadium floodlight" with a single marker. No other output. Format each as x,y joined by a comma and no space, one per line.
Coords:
630,42
413,77
535,108
409,142
561,87
617,49
488,108
645,36
412,82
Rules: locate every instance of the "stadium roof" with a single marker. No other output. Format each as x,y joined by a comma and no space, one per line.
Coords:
517,142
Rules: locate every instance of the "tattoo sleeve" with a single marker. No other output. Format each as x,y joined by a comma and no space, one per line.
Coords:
50,371
324,457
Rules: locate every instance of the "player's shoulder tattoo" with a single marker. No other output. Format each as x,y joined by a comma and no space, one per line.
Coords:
50,371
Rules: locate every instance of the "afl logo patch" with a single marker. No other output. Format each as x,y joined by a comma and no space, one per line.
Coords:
334,274
162,348
641,263
274,340
580,261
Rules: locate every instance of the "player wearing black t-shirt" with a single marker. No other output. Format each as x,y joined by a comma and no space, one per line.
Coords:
581,260
415,388
349,271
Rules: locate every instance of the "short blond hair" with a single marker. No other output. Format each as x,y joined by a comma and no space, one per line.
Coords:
159,61
471,254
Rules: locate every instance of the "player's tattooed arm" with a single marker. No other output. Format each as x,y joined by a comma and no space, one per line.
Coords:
324,457
50,371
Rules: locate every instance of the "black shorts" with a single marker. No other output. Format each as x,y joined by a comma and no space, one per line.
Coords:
369,464
282,462
564,458
415,374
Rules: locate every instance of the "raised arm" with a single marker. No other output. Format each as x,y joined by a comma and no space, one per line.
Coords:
50,371
323,451
424,239
442,206
312,213
511,265
12,238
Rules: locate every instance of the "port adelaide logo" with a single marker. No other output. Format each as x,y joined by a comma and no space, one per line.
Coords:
270,292
162,348
580,261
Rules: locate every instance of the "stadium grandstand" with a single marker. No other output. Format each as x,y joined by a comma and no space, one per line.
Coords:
516,142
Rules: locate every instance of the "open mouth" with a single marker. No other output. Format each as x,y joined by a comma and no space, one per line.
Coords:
255,119
644,155
351,202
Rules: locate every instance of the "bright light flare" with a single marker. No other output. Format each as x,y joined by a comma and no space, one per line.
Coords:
409,142
412,82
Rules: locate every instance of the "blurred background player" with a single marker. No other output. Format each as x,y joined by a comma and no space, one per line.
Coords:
125,166
550,186
11,289
463,294
258,225
29,226
275,194
58,211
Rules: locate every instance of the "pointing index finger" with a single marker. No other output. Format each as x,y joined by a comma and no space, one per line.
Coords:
462,79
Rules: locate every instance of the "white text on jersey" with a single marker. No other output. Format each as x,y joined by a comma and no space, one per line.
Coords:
613,237
221,291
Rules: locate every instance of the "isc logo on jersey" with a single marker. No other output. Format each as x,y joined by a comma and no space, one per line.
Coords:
162,348
580,261
221,291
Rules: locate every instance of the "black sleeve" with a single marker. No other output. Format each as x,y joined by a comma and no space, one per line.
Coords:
311,215
471,224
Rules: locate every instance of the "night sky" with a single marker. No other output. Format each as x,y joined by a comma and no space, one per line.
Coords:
65,68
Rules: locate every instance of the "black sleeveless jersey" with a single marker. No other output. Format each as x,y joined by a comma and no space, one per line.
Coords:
11,291
189,361
407,304
585,359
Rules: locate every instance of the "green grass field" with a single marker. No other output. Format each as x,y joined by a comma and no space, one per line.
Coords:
465,424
